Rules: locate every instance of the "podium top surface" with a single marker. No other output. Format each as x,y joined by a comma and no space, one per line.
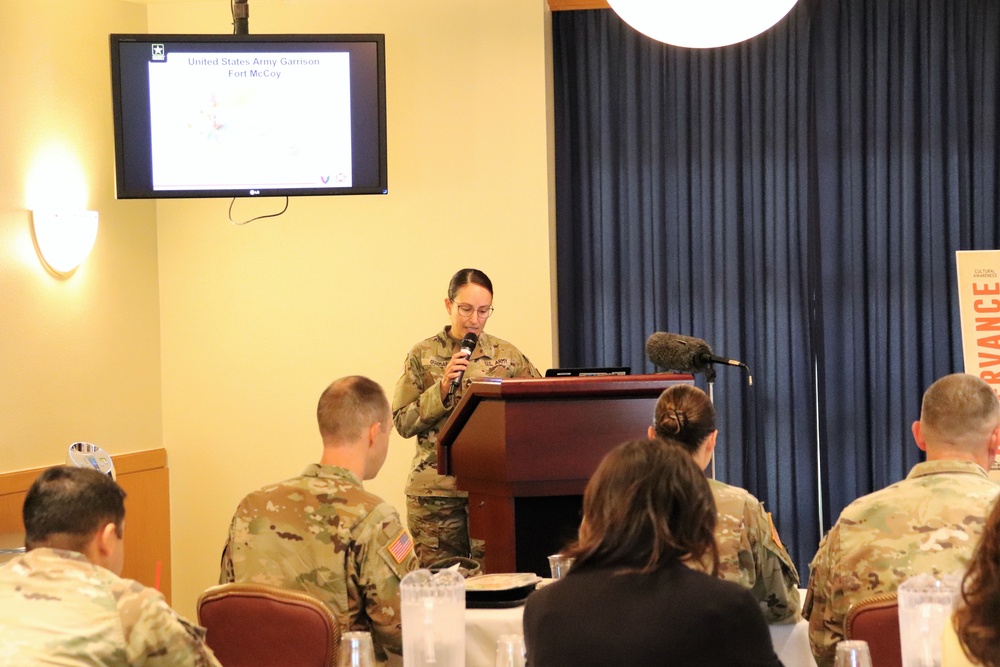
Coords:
554,388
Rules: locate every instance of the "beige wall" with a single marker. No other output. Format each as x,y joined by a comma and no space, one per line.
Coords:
216,340
257,319
79,356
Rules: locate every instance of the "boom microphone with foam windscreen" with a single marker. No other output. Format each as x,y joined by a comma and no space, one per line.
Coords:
676,352
687,354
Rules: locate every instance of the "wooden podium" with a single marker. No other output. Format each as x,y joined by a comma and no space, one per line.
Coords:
524,449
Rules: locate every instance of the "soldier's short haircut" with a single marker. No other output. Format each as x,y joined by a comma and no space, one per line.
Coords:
684,413
67,505
466,277
349,406
959,409
647,506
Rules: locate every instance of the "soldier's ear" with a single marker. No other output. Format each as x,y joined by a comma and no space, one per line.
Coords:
918,436
108,538
105,548
995,441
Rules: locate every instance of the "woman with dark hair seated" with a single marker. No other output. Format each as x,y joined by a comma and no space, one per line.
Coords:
973,636
631,597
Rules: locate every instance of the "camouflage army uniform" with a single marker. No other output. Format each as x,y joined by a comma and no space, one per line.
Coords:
927,523
56,607
437,512
322,533
751,554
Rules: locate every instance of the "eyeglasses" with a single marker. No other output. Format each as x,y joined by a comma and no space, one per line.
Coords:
466,310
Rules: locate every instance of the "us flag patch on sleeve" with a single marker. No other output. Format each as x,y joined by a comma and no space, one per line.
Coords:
401,547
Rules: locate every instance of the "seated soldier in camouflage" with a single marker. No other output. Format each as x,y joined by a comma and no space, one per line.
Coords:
750,552
63,602
928,523
322,533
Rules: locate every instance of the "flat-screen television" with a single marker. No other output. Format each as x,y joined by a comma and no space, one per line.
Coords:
248,115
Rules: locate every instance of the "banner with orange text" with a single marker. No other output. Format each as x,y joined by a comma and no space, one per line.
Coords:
979,306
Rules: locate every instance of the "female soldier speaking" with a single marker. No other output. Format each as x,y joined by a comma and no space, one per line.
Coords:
435,374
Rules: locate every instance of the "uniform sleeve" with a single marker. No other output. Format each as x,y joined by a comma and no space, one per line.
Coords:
415,408
238,531
226,571
385,554
526,369
776,581
156,636
824,629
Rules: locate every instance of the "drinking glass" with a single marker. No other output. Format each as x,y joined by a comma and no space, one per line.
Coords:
510,651
356,650
925,605
559,565
432,608
853,653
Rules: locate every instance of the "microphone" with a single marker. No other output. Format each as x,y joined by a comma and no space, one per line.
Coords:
687,355
468,345
678,353
710,358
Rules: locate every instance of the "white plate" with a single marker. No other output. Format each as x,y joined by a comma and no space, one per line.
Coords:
501,582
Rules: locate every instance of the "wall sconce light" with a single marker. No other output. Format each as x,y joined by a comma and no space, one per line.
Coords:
64,238
701,24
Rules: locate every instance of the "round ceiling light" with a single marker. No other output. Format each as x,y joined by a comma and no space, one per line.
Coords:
701,24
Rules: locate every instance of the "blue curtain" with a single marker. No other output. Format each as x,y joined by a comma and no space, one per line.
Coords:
906,165
794,200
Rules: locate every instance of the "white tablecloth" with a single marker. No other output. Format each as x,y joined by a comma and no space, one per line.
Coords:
484,626
482,629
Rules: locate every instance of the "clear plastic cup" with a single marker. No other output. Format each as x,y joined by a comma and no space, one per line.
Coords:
510,651
356,650
559,565
853,653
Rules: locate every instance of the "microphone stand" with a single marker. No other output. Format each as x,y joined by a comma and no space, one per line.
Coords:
241,17
710,378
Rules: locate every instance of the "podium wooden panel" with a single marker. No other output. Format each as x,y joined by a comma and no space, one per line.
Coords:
524,449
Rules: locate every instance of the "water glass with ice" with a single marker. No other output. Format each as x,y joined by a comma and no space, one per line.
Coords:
433,616
925,605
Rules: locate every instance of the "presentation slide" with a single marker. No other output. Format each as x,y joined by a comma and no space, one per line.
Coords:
261,119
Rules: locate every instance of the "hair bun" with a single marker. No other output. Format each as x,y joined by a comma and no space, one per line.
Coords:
673,422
